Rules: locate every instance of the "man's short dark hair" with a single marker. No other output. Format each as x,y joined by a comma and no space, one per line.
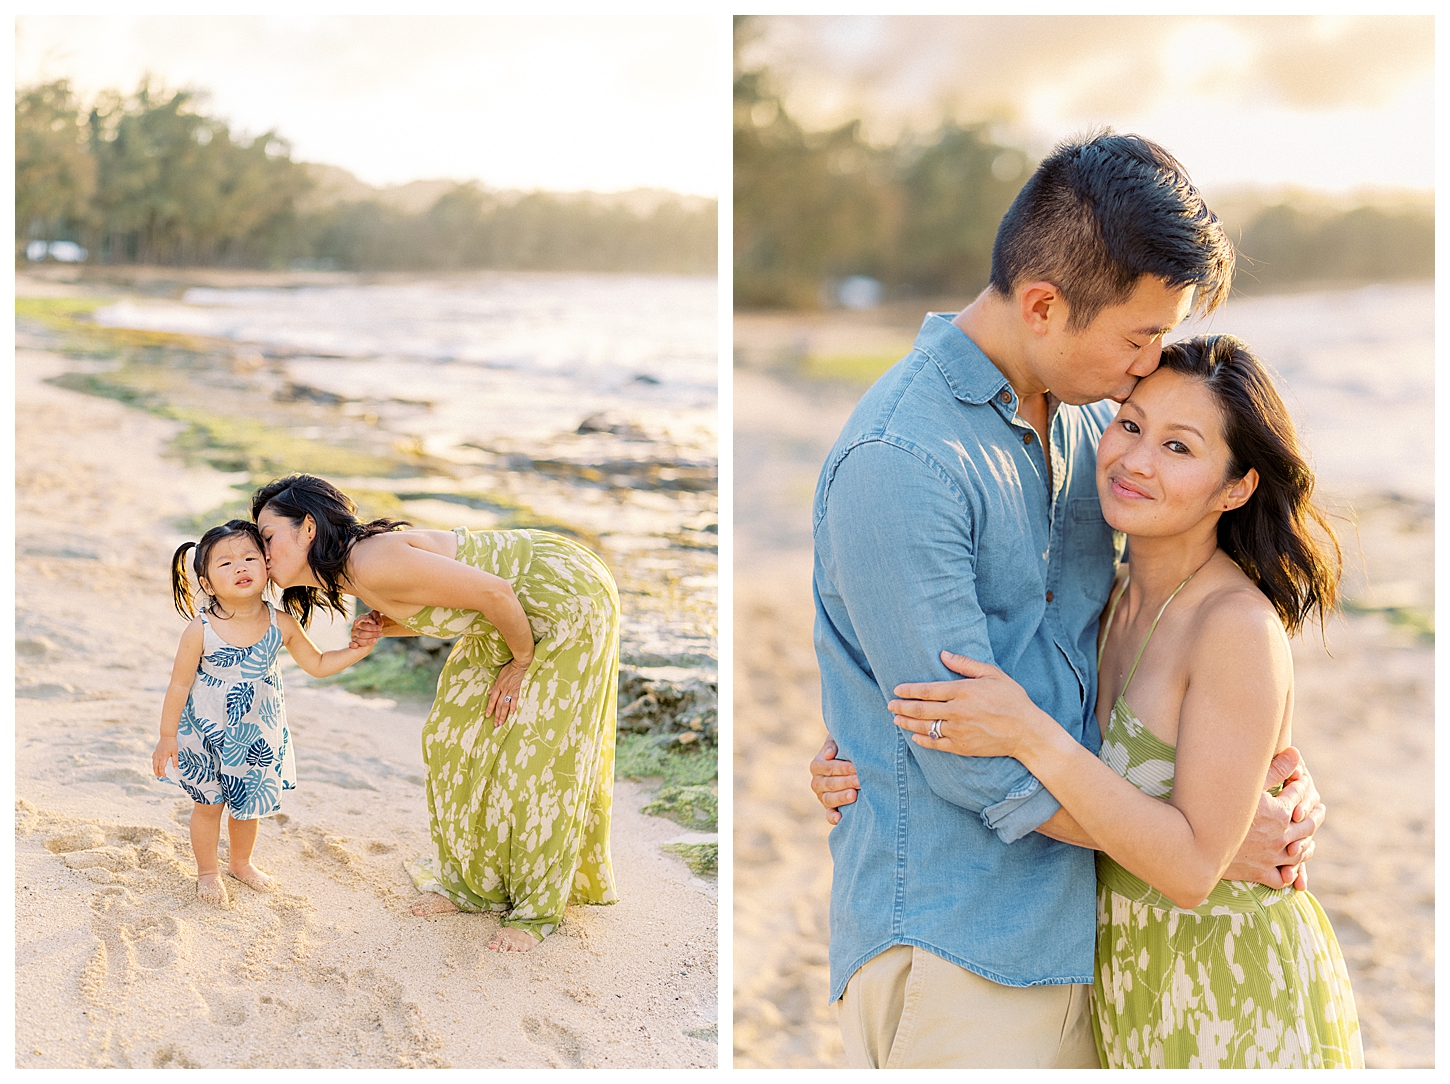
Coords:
1098,215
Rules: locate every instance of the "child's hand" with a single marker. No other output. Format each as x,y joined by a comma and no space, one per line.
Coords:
366,629
165,751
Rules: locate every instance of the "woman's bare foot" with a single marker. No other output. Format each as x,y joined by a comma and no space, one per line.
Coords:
509,939
251,876
209,889
432,903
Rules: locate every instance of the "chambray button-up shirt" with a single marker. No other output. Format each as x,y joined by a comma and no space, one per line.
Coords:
935,529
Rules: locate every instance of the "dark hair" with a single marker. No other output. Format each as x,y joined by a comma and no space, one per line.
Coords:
301,495
1272,536
1102,212
181,588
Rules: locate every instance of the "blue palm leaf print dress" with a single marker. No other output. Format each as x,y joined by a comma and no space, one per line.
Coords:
232,744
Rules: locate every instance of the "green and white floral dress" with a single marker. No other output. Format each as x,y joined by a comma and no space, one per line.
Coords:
520,813
1251,978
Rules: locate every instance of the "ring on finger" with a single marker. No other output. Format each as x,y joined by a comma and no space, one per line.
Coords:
936,729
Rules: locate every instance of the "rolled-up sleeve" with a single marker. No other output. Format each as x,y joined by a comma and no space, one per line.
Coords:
899,551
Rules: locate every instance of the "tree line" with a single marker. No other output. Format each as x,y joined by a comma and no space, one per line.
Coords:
149,178
814,208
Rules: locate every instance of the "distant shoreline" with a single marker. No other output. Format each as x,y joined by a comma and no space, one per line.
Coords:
149,278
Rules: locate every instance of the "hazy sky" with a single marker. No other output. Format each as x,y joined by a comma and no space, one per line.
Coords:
560,102
1325,102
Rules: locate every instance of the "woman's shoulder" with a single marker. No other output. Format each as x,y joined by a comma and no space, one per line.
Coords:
393,554
1234,619
419,538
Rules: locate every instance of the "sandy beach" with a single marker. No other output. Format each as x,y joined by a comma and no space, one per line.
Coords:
117,963
1364,719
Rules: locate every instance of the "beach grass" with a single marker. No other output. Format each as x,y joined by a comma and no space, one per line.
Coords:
1413,619
60,313
702,858
861,369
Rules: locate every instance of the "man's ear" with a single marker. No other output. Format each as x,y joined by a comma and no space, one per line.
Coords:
1237,495
1042,305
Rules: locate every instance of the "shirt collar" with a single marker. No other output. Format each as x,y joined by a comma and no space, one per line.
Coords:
968,372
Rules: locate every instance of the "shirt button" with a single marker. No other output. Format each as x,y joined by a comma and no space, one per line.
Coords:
1006,396
1049,596
1026,438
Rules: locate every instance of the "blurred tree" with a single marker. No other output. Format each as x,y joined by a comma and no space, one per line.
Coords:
1284,245
156,180
174,187
54,176
956,189
808,208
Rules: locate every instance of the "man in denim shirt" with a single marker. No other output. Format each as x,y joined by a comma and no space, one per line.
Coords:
959,510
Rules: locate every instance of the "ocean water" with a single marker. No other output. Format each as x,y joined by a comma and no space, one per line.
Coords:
1357,370
517,355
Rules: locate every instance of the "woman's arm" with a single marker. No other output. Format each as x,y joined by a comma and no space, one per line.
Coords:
1239,676
389,627
387,567
306,654
183,673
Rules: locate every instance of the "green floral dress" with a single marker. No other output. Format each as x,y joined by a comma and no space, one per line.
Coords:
520,813
1251,978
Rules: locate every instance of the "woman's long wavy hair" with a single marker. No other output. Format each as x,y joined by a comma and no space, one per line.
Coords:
181,587
1281,540
301,495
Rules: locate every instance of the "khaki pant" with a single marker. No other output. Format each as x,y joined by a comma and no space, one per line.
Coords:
909,1009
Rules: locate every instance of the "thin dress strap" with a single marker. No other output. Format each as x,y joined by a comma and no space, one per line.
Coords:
1151,629
1108,624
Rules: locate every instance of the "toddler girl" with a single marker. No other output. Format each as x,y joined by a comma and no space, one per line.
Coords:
222,722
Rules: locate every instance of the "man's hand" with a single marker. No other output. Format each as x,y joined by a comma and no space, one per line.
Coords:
834,781
1281,839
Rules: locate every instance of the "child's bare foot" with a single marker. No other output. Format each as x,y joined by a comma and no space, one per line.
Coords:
509,939
251,876
209,889
432,903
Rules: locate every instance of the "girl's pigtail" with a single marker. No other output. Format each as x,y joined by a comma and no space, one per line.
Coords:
180,585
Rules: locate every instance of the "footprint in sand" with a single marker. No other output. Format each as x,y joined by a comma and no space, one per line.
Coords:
151,939
229,1012
82,838
169,1057
563,1048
